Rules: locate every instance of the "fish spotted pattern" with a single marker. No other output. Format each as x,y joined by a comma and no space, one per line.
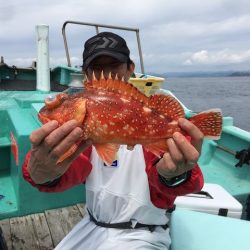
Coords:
112,112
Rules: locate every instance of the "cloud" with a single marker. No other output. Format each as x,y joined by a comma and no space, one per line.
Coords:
175,34
188,62
218,57
7,11
183,31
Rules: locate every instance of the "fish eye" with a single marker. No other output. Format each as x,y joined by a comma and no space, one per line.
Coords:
50,98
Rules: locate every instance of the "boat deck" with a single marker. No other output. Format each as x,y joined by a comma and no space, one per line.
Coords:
41,231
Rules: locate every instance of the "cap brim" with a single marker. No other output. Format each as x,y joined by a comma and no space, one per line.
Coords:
120,57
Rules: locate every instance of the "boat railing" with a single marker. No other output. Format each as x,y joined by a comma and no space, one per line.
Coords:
97,26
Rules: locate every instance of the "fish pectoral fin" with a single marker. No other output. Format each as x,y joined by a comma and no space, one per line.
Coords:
68,153
107,152
157,148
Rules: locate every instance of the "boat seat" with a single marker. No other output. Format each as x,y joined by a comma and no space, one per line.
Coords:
192,230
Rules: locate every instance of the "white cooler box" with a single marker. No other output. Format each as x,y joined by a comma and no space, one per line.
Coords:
212,199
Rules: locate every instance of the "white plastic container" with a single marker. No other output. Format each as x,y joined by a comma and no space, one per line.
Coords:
213,199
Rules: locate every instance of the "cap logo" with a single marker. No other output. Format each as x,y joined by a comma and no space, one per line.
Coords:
103,42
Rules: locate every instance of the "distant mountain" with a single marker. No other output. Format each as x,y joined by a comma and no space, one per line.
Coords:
203,74
243,73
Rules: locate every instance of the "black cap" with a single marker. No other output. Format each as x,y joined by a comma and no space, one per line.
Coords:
105,44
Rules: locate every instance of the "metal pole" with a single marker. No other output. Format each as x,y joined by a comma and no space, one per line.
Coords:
97,31
228,150
140,51
66,45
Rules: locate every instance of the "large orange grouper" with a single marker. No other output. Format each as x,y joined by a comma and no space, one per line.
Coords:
112,112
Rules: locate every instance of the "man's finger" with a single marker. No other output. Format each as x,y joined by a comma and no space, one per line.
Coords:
174,151
56,136
64,145
38,135
166,166
193,131
188,150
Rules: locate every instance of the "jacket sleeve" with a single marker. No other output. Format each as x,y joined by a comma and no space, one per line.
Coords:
76,174
163,196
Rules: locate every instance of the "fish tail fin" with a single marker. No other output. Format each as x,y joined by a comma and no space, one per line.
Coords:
209,122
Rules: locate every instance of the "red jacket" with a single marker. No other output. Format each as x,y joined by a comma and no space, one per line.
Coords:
161,195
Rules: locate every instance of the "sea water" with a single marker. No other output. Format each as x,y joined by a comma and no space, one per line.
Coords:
230,94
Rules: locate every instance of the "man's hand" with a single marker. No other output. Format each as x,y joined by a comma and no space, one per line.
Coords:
183,155
50,142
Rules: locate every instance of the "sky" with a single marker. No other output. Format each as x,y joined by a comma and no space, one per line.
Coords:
176,35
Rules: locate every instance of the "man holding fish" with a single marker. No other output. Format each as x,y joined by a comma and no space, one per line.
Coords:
134,153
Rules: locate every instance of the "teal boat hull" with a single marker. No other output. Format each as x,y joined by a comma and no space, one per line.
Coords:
18,116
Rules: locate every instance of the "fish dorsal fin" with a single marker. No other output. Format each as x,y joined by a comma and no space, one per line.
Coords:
125,89
167,105
107,152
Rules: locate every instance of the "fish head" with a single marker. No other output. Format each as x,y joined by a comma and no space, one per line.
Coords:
64,107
